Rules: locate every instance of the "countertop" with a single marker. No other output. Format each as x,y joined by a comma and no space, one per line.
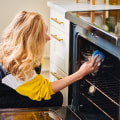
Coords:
64,6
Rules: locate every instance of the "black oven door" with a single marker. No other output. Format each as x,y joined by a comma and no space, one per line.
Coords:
97,96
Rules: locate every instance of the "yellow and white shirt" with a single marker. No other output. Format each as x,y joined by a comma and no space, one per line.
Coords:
37,88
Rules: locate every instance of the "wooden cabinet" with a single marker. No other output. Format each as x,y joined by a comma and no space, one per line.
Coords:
59,48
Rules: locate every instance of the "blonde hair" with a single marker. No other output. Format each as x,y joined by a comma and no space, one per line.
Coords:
23,44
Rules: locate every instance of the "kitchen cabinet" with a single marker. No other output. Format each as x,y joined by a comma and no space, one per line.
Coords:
57,74
59,45
59,48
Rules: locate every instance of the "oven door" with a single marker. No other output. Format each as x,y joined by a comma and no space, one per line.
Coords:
97,96
48,113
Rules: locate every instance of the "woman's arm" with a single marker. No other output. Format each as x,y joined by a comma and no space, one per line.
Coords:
86,68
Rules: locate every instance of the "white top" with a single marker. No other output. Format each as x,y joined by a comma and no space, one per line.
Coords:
64,6
12,82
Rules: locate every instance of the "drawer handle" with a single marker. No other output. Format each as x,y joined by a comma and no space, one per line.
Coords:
55,36
55,20
54,74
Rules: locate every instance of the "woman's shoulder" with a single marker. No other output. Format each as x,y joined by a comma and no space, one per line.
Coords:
13,82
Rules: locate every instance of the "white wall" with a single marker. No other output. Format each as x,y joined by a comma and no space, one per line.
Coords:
9,8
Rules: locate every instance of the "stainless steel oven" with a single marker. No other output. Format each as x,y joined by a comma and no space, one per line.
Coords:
97,96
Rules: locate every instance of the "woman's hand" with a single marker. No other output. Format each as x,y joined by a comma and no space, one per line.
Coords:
89,66
86,68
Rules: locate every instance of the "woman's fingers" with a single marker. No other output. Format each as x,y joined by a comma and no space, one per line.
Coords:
94,60
96,65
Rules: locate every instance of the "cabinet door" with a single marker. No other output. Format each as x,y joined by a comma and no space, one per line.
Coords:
57,74
58,49
59,44
57,20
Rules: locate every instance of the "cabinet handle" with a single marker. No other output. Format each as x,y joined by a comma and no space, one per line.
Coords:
55,36
55,20
54,74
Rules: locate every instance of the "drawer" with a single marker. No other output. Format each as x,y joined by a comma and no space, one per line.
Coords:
57,74
59,49
57,35
57,20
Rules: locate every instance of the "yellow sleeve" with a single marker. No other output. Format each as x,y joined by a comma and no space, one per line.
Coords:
36,89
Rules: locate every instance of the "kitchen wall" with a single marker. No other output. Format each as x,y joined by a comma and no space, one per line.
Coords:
9,8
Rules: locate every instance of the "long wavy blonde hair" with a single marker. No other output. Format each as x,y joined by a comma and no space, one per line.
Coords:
23,44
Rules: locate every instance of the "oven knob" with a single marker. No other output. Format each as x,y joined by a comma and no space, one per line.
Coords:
91,90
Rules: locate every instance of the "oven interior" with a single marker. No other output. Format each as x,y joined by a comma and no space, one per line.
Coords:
96,96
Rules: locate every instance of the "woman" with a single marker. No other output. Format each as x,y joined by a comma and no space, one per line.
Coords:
21,55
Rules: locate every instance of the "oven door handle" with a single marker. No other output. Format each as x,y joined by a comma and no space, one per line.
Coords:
54,74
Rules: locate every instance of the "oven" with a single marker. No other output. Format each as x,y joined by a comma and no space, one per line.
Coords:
97,95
